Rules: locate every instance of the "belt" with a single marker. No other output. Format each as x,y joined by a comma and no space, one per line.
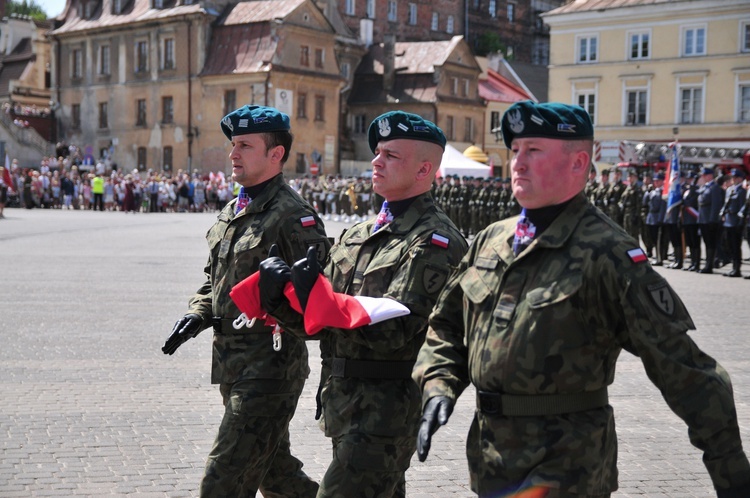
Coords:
225,326
511,405
343,367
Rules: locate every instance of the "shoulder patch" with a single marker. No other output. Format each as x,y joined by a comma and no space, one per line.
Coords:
637,255
440,240
308,221
662,297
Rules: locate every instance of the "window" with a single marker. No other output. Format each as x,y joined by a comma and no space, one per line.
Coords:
75,116
693,41
468,130
435,22
158,4
167,110
140,112
449,128
304,56
493,8
464,88
319,58
88,10
494,120
413,14
350,7
167,53
449,25
116,6
302,105
142,158
230,101
511,11
392,10
691,105
103,119
639,45
370,9
636,111
76,63
166,158
141,56
346,69
587,48
745,36
744,98
300,165
587,100
104,60
360,124
320,103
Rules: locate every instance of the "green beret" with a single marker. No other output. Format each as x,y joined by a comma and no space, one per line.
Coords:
547,120
404,125
254,119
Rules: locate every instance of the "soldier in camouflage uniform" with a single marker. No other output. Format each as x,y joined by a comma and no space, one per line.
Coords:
616,188
630,206
536,316
493,201
591,184
602,191
260,386
370,404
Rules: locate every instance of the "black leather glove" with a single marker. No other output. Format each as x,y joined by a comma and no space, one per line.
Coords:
186,328
304,275
436,412
742,491
274,274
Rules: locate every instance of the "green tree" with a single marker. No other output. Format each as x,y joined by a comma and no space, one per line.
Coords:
26,8
488,43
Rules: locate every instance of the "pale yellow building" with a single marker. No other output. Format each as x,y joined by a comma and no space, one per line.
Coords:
652,70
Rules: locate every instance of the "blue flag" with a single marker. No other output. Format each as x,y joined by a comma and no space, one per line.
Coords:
674,198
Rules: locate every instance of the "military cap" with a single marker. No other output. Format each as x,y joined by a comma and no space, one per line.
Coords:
632,172
547,120
707,171
604,172
659,176
691,174
497,179
403,125
738,173
254,119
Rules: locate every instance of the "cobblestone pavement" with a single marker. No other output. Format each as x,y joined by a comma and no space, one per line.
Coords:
91,407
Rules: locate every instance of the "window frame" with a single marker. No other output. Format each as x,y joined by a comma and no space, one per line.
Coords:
450,25
587,95
510,12
75,116
140,58
412,18
626,102
741,100
141,112
692,88
468,129
167,158
744,36
103,117
492,8
684,35
167,109
450,128
104,63
230,100
435,22
76,64
370,9
629,45
320,108
350,8
392,10
168,60
304,55
301,105
320,58
588,59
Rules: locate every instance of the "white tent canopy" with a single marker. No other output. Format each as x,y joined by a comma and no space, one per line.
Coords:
455,163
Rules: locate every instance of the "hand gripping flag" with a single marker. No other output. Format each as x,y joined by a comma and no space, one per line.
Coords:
674,195
326,308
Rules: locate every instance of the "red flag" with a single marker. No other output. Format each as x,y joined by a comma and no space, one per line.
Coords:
331,309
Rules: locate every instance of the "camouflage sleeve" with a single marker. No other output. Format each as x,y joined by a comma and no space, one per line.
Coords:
694,385
202,301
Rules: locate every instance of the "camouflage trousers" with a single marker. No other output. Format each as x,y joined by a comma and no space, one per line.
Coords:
252,449
368,466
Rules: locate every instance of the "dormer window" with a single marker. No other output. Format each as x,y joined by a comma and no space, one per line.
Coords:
117,6
158,4
88,9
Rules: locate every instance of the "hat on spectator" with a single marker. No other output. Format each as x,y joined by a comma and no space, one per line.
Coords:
738,173
403,125
546,120
707,171
254,119
659,176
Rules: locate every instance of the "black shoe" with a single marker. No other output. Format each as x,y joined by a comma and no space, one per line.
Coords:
690,268
657,263
746,277
706,270
676,266
733,273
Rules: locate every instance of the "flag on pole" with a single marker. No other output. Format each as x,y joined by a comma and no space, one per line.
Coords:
674,196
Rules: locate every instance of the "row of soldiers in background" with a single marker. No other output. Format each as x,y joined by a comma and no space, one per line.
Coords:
473,203
339,198
714,211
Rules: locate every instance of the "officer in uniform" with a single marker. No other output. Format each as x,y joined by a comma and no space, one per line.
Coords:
493,202
630,206
656,209
673,231
710,202
614,193
591,184
690,221
259,383
370,405
536,317
734,201
602,192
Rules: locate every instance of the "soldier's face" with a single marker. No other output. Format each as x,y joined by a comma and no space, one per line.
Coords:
252,162
545,171
394,169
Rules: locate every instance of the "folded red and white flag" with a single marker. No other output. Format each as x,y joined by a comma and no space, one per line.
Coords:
325,308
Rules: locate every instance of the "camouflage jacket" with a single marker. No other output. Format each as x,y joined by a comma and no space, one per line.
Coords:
400,261
553,320
237,244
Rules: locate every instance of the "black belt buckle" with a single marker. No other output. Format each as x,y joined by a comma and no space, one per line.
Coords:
490,403
338,367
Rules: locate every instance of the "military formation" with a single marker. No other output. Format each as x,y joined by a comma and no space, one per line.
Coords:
339,198
474,203
712,213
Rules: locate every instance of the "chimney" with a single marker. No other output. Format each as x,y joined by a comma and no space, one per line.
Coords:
389,61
